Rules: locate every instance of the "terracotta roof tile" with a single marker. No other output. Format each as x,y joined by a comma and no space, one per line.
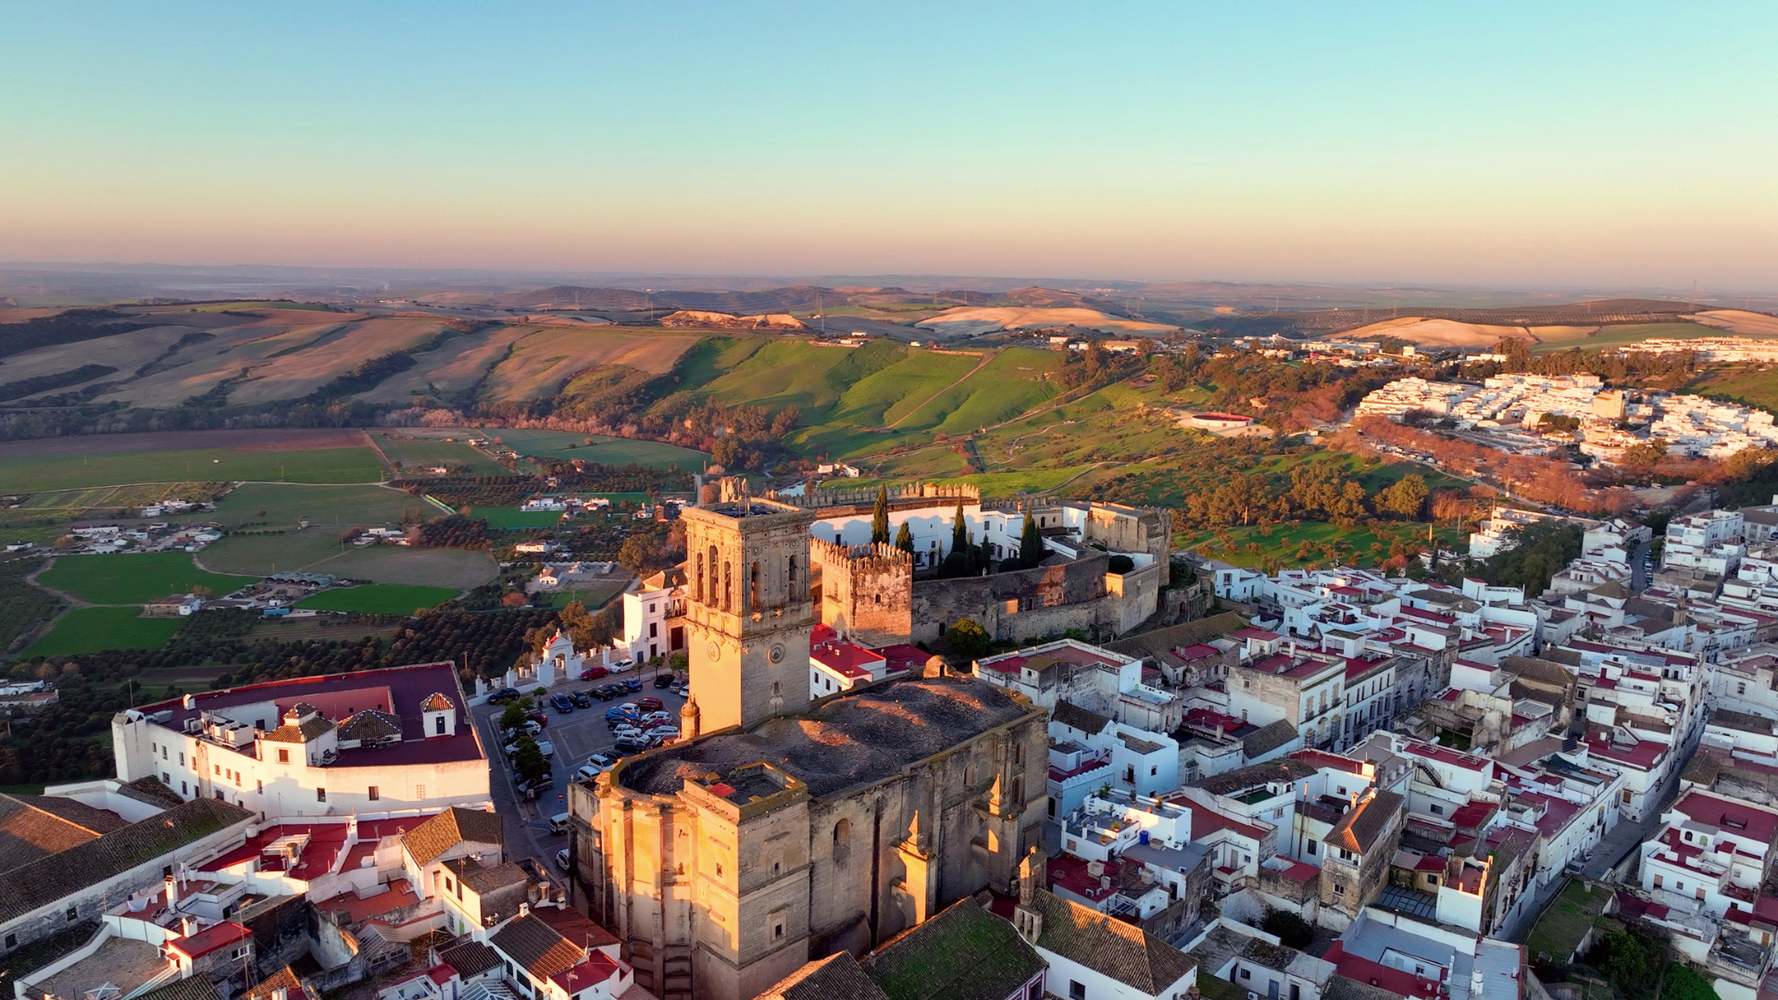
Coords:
448,829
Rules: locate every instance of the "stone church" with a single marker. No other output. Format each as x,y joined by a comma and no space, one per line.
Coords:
779,830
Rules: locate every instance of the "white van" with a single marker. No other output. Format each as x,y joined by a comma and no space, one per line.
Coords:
558,823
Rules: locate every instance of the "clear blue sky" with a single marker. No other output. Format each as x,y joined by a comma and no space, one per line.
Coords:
1537,142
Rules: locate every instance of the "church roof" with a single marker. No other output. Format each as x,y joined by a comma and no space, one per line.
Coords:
851,740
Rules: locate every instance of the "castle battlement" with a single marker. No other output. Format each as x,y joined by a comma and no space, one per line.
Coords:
875,557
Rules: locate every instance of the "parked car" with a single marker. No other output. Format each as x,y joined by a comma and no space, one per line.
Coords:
628,731
606,692
538,717
530,728
664,733
632,684
561,703
593,673
548,748
615,717
588,771
650,704
605,760
562,859
532,789
581,699
636,745
680,687
657,718
500,696
619,666
664,681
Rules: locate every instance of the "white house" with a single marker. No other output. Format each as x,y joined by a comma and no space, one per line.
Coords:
371,741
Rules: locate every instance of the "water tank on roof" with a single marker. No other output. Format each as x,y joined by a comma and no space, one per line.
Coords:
1142,838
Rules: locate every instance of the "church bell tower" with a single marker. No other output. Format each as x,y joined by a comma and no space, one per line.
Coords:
748,613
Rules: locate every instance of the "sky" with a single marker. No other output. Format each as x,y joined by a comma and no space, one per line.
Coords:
1537,144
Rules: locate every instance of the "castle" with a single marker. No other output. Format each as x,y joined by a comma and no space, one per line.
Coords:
778,830
878,594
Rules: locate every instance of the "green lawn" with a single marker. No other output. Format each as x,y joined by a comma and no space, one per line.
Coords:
89,630
512,517
67,472
133,578
379,598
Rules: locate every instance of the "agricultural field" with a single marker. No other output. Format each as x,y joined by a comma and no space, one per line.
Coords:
590,447
542,360
458,568
133,578
89,630
280,505
1629,333
85,463
413,455
379,598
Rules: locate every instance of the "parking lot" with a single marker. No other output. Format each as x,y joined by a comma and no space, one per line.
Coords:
576,736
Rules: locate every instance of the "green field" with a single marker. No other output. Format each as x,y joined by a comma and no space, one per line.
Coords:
133,578
379,598
1634,333
89,630
329,506
512,517
67,472
1252,546
602,449
1749,386
594,597
413,454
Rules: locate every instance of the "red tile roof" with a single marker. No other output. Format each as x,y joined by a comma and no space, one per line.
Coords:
1743,820
209,939
848,659
596,969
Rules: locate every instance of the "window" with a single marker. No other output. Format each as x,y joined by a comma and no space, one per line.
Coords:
73,913
654,629
778,920
1437,810
163,753
1740,689
261,788
1076,991
1339,890
1657,880
1246,973
1432,880
718,869
166,779
12,940
1310,847
373,793
320,795
219,769
182,789
1627,796
181,758
283,756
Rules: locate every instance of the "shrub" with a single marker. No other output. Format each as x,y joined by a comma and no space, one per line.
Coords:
1291,930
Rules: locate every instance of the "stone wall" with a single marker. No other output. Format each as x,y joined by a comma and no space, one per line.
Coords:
866,593
1022,604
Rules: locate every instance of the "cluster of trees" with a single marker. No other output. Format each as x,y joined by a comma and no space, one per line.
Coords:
1097,366
1609,365
1314,492
1538,477
1293,396
655,547
1540,551
742,436
451,531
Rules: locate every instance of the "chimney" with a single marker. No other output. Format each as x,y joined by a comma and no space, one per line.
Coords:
172,892
1096,869
1105,881
190,702
524,910
188,926
1477,982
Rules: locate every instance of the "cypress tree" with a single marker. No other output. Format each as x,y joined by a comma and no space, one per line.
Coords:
959,531
879,519
1030,544
904,539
